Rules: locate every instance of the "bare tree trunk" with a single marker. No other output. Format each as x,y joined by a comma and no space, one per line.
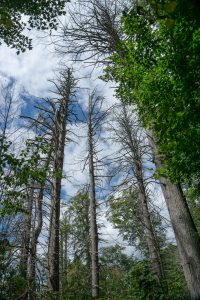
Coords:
24,260
88,248
92,209
53,249
151,240
34,241
126,132
63,261
26,236
66,85
36,231
184,228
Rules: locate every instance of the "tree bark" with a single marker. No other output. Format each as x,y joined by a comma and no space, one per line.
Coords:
92,209
24,259
133,145
185,231
26,237
151,240
54,230
37,230
34,241
64,90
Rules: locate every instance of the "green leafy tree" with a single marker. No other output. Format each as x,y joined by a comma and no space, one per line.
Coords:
125,214
17,173
177,288
141,282
114,265
75,248
11,283
78,286
15,16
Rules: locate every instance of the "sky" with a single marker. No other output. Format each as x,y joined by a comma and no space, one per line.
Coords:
31,72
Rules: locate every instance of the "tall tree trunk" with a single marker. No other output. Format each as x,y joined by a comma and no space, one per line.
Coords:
54,230
88,247
64,90
92,209
151,240
26,236
34,241
37,230
24,259
133,145
63,261
185,231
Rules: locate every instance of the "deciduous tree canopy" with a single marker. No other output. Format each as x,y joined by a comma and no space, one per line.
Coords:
15,16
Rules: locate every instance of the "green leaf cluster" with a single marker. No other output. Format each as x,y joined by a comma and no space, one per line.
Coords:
17,173
15,16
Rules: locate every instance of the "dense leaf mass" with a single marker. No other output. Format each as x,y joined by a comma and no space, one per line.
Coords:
15,16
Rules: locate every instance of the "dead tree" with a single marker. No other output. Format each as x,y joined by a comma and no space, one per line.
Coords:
25,250
22,222
95,117
51,121
64,92
133,154
92,196
92,31
37,228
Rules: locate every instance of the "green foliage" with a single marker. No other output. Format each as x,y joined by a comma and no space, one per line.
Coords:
75,248
114,265
143,284
12,285
15,16
123,277
75,224
77,283
18,173
158,68
174,277
125,214
193,200
48,295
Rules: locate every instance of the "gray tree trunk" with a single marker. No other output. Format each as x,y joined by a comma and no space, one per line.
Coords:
54,230
37,230
64,90
127,135
34,240
151,240
26,236
92,209
185,231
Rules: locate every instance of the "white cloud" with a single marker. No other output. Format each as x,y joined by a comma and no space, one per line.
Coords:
31,69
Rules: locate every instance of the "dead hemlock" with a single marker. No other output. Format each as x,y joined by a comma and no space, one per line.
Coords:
64,89
128,133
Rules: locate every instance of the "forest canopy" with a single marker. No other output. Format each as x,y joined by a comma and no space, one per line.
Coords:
16,16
